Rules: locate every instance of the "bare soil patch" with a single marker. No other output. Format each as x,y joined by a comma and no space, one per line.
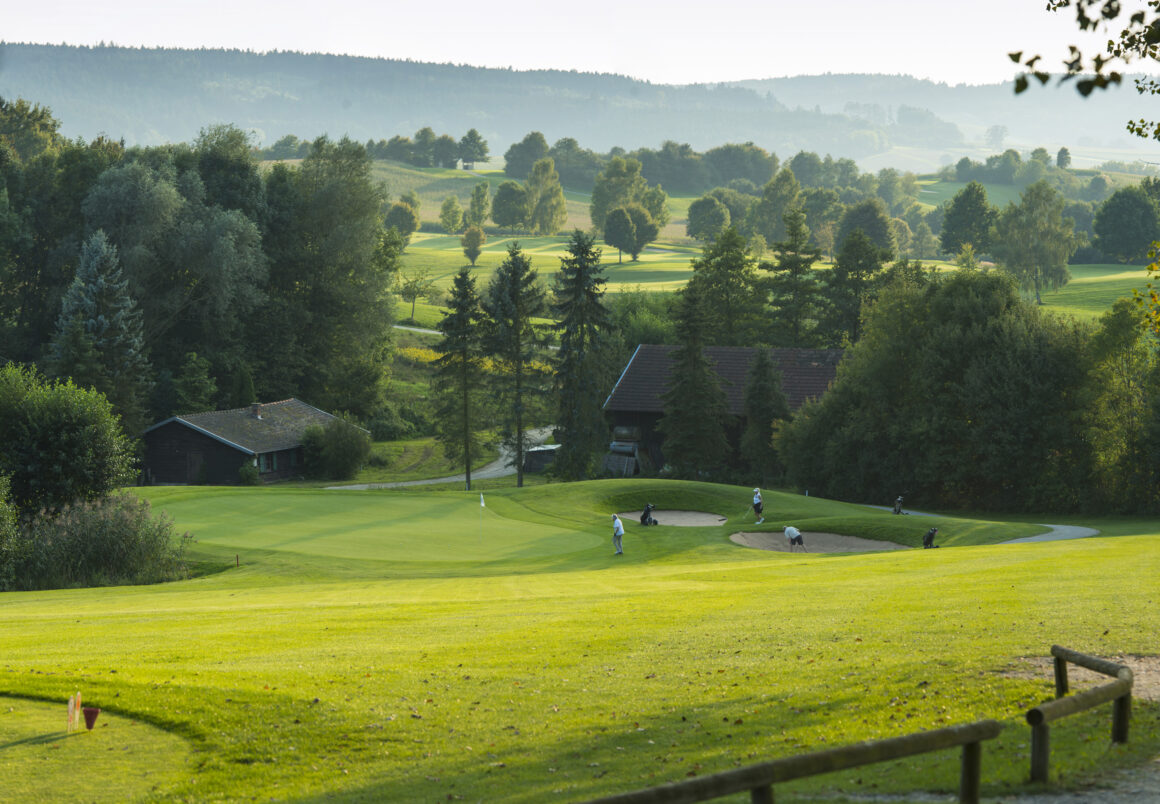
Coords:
815,542
687,519
1145,673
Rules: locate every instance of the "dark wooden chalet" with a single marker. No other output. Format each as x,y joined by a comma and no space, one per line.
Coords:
635,406
211,447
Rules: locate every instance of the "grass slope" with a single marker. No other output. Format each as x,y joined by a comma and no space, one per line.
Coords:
389,646
1093,289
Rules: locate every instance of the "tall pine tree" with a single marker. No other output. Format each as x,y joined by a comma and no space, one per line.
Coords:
696,410
514,298
459,375
765,408
793,286
582,366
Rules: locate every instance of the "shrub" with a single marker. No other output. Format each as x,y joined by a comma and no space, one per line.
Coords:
58,443
335,452
96,543
11,542
248,475
389,425
395,422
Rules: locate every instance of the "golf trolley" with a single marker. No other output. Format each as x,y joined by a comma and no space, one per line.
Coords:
646,517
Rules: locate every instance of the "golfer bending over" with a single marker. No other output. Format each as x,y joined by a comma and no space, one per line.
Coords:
617,534
794,536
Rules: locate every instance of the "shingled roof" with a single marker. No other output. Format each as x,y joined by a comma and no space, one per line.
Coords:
259,428
805,374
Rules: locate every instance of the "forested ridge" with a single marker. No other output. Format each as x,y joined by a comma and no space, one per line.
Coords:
152,96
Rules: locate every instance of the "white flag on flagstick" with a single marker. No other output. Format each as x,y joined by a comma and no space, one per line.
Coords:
481,505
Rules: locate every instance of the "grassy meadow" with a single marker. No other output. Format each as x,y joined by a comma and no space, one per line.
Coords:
417,646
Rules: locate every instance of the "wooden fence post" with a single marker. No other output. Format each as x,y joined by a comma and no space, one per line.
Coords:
762,795
1060,677
1040,751
972,773
1121,714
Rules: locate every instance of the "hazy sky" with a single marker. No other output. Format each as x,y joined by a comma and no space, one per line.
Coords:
686,41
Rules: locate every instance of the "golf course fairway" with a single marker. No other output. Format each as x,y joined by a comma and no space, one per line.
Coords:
419,646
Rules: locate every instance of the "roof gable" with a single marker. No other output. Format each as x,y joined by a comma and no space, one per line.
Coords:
256,429
805,374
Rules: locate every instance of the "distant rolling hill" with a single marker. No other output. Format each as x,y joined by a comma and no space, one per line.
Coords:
153,96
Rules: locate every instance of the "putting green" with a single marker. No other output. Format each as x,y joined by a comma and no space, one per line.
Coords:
116,761
367,525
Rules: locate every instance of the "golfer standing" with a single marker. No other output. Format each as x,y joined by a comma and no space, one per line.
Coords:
617,534
757,506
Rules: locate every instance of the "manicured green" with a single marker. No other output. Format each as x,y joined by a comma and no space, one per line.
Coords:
406,646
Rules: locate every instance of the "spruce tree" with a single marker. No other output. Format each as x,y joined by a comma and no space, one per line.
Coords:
99,319
459,375
793,286
514,298
193,386
582,365
696,410
727,285
765,408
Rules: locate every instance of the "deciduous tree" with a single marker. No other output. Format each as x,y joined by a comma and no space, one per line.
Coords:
519,158
415,285
403,218
472,242
870,217
547,211
1033,240
618,185
472,149
707,218
968,219
619,232
1127,224
780,194
509,208
451,215
480,207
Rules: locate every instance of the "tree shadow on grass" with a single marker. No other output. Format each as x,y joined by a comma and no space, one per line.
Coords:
40,739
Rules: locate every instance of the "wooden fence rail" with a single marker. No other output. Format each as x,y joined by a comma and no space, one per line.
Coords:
759,779
1118,691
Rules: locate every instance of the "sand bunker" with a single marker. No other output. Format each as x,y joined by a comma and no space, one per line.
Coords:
815,542
687,519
